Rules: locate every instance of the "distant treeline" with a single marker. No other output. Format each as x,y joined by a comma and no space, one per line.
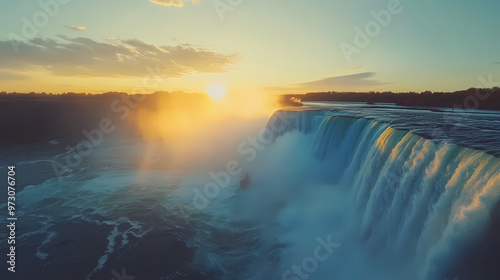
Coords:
67,95
41,117
472,98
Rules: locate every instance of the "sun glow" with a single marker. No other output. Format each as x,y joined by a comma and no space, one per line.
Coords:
217,92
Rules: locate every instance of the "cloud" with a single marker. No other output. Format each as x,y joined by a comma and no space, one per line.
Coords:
6,75
175,3
360,81
84,57
76,28
346,81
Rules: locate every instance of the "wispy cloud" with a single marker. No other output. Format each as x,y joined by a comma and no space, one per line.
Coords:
355,82
85,57
342,82
76,28
175,3
6,75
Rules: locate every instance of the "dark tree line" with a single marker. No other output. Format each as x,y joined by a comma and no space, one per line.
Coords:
38,117
67,95
472,98
41,117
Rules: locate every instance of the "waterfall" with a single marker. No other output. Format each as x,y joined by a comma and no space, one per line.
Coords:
413,206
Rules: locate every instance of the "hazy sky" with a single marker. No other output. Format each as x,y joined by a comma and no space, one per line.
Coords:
247,45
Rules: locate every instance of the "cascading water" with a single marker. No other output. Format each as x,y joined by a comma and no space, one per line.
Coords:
304,121
330,195
402,206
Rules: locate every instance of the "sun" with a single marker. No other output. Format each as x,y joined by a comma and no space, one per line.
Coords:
217,92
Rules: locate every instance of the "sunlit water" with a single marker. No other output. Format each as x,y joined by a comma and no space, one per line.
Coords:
349,192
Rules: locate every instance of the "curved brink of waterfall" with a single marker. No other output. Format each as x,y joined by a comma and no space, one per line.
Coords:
427,210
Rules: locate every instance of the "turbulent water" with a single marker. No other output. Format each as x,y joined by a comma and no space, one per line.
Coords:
331,191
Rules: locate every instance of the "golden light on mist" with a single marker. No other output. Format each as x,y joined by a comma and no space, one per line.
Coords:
195,126
217,92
